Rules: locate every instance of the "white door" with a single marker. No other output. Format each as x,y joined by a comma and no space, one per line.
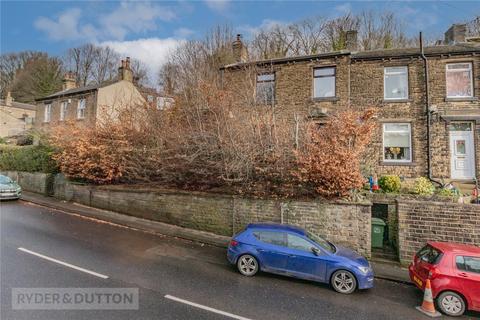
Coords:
462,151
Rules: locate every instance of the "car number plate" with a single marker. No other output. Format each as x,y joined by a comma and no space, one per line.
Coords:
418,281
8,194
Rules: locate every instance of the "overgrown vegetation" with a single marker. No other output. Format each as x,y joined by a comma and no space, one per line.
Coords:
27,158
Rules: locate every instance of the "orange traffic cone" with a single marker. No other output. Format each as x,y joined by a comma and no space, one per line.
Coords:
427,307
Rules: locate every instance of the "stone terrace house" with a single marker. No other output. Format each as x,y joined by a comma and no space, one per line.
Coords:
395,81
91,103
15,117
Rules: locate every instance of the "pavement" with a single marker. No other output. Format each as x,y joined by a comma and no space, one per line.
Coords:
386,271
42,247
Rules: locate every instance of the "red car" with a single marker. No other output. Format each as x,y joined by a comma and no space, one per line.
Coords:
454,273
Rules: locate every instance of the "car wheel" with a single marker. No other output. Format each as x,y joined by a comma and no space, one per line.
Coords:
247,265
343,281
451,303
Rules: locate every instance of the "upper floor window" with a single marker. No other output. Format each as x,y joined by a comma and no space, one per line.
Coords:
82,105
265,88
63,110
324,82
397,142
395,81
459,80
48,113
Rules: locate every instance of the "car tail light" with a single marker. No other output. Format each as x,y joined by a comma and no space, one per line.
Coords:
233,243
432,273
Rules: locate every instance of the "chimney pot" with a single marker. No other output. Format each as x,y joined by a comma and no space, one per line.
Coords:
240,53
69,81
8,99
124,72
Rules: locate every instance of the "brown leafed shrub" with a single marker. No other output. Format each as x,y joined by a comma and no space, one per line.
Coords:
329,161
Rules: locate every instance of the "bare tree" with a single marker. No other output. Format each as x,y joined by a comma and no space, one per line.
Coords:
10,64
309,36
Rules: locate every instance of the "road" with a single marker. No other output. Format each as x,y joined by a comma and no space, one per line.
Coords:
177,279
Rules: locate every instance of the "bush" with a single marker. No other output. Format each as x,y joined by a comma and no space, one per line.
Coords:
390,183
423,186
28,158
446,193
330,159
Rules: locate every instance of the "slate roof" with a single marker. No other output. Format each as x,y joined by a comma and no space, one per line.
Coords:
19,105
65,93
464,48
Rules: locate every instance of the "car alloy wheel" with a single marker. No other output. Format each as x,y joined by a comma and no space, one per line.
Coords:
247,265
451,304
344,281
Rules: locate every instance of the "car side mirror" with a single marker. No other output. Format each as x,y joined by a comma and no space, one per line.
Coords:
315,251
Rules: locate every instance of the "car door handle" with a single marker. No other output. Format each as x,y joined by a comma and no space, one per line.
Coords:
463,274
292,256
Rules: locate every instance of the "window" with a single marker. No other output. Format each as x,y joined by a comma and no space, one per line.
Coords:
324,82
397,142
150,98
469,264
429,254
265,89
164,103
276,238
459,80
48,113
81,109
321,242
395,82
63,110
297,243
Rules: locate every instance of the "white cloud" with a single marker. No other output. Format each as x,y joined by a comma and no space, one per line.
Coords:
127,18
134,17
183,32
267,24
217,5
153,52
65,27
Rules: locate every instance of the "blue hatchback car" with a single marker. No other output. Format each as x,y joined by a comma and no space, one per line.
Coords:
292,251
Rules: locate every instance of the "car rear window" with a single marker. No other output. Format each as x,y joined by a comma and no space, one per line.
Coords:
430,254
271,237
469,264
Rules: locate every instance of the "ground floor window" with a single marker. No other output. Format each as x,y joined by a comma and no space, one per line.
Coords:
397,142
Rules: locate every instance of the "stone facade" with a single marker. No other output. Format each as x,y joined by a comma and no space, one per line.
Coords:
421,221
359,84
15,117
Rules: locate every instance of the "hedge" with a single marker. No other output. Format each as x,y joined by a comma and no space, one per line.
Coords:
27,158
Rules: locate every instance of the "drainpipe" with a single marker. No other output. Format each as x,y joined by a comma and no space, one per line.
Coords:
429,114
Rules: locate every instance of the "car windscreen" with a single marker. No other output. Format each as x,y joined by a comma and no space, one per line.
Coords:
326,245
429,254
5,180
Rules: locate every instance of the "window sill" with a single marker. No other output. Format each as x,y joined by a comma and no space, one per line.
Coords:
461,99
397,100
325,99
397,163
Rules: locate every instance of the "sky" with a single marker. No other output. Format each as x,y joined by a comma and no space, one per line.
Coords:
149,30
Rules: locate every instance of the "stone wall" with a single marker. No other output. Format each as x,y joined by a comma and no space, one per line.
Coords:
421,221
348,224
32,181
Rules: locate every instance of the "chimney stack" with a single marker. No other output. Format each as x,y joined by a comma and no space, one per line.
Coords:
8,99
351,40
456,34
239,50
69,81
125,72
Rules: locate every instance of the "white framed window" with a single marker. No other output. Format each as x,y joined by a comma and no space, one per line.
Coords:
265,88
82,105
395,83
459,80
63,110
48,113
397,142
324,82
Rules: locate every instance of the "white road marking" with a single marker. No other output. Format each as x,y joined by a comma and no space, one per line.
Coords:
64,263
193,304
